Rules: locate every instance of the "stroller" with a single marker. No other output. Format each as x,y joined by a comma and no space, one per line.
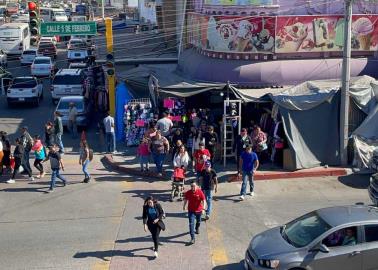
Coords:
178,181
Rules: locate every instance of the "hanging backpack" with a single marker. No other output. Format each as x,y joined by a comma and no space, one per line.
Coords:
90,154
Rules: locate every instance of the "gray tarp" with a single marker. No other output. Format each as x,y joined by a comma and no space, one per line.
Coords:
310,115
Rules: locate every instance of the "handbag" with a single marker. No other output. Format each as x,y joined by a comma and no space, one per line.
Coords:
161,224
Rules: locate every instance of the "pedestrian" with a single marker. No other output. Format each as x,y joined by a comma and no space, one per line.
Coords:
27,143
58,131
18,156
72,115
181,158
56,164
259,140
49,134
109,134
6,152
159,147
240,144
165,125
209,183
177,136
153,214
1,154
200,157
40,155
196,203
211,141
249,163
176,148
85,159
143,153
197,139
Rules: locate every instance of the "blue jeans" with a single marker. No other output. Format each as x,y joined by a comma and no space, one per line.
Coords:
143,160
110,142
59,142
55,174
159,160
209,197
247,176
25,160
85,168
72,127
194,216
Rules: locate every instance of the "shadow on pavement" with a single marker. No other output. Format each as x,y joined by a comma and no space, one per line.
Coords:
163,239
231,266
104,255
42,190
359,181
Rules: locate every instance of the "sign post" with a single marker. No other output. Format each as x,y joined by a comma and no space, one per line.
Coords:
110,74
68,28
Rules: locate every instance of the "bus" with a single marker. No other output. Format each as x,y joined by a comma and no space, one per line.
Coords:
14,38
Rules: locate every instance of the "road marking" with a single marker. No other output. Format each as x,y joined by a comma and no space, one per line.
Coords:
215,236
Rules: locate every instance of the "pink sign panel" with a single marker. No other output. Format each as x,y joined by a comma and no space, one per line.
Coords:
139,123
169,103
176,118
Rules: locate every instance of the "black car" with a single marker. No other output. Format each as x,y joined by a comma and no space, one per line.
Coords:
47,49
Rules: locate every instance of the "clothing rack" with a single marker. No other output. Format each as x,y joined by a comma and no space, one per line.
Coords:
139,101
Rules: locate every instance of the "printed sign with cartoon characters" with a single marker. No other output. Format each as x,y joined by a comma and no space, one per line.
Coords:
324,33
232,34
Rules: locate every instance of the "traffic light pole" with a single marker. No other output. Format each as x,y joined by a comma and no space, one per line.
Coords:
344,102
110,74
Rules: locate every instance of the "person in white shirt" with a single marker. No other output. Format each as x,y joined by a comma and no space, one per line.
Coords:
72,115
109,134
181,158
165,125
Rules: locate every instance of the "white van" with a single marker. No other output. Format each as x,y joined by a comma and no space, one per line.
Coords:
53,14
14,38
67,82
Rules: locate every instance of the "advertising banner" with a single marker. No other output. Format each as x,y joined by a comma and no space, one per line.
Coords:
232,33
324,33
239,2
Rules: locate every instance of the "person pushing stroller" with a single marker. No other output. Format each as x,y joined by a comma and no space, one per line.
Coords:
180,164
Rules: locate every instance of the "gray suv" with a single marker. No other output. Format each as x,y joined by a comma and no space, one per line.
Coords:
341,237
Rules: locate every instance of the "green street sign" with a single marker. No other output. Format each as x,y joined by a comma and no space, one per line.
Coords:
49,29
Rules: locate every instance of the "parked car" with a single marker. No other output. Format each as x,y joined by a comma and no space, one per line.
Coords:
25,90
67,82
340,237
48,40
3,59
42,66
28,56
47,49
83,109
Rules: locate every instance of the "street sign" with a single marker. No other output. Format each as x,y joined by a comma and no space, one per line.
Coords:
68,28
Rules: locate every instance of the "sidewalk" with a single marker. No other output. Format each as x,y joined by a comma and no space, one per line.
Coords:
128,163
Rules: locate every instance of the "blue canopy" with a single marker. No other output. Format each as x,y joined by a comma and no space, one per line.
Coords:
122,98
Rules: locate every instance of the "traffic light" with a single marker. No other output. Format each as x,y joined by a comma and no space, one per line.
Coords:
110,64
33,18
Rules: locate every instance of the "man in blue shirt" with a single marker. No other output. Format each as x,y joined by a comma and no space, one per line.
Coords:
249,163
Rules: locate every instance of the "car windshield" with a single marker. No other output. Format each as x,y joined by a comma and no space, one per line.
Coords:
64,105
42,61
67,80
46,45
302,231
24,83
30,52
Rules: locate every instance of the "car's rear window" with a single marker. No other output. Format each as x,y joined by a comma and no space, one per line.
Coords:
24,83
67,79
42,61
30,52
46,45
64,105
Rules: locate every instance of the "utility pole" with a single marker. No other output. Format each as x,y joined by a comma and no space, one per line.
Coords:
344,103
103,10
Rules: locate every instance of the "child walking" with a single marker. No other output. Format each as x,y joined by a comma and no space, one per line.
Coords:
144,154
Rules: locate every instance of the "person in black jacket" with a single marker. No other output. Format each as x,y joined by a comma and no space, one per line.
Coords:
152,219
18,155
240,144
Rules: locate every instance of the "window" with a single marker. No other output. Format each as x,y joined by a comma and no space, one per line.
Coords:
67,79
371,233
44,12
24,83
342,237
42,61
64,105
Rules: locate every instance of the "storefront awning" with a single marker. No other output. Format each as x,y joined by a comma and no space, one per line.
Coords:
256,94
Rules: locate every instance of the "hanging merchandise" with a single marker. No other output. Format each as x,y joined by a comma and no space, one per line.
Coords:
175,107
138,113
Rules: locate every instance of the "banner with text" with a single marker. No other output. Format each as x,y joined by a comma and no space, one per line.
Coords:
68,28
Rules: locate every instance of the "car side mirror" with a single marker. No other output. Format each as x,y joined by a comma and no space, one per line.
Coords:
320,247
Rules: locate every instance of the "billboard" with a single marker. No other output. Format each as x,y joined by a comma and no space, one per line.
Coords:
239,2
280,35
324,33
232,33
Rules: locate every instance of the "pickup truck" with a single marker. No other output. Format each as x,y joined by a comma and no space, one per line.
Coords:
26,89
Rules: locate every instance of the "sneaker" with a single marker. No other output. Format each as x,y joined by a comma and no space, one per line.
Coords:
242,197
31,178
192,242
252,194
11,181
207,217
197,231
43,174
156,254
50,190
64,183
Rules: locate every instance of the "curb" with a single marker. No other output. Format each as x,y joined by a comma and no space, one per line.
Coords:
260,175
296,174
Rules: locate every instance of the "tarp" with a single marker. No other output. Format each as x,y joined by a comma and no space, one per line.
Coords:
310,115
122,97
256,94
